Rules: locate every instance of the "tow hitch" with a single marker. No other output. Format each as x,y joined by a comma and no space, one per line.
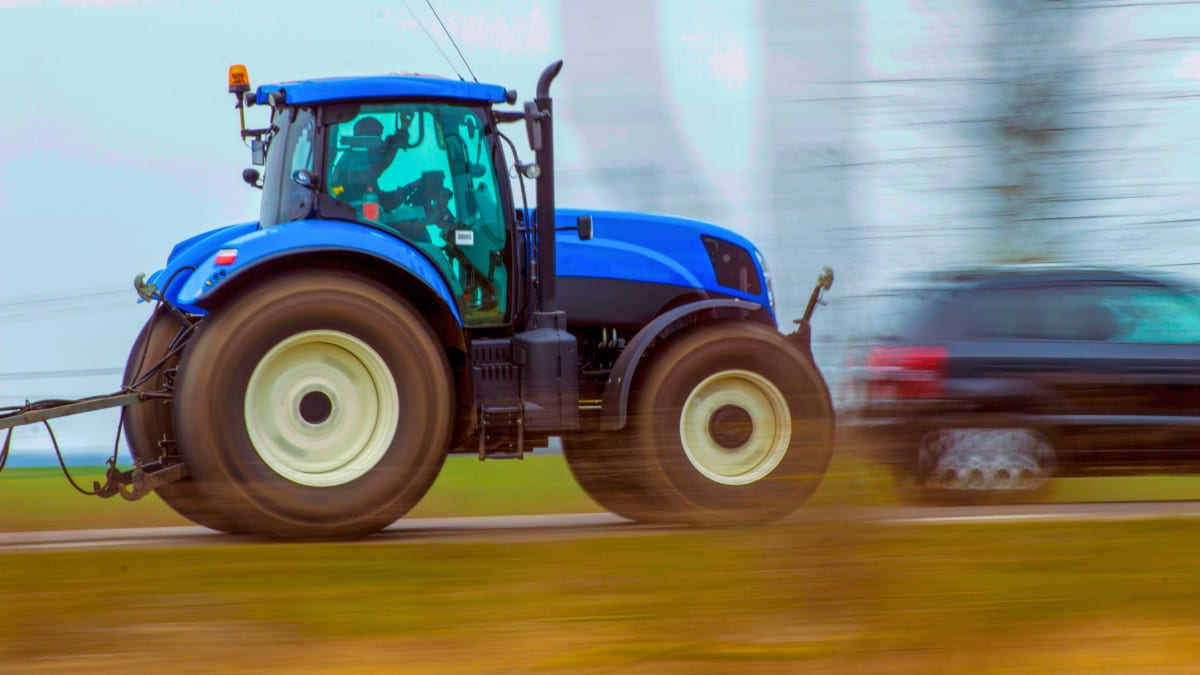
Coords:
143,478
131,484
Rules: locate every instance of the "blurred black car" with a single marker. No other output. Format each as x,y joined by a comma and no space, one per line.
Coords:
999,379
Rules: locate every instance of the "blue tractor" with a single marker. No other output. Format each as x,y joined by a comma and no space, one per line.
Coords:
397,301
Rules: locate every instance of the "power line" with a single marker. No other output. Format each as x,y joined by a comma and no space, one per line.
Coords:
430,36
56,374
447,32
72,295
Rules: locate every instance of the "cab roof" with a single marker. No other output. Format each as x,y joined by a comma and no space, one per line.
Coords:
302,92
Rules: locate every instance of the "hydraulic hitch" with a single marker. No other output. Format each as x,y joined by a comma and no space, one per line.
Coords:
141,480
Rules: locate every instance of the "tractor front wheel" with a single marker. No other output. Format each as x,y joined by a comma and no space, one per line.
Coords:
608,469
730,425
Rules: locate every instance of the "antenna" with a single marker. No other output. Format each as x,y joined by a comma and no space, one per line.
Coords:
447,32
435,44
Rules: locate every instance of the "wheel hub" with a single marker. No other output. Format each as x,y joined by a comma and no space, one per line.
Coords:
731,426
735,427
321,408
315,407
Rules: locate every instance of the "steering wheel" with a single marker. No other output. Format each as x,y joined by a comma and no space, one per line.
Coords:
428,194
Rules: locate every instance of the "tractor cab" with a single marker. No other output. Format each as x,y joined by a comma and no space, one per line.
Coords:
414,157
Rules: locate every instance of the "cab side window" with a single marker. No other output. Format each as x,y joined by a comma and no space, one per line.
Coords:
425,173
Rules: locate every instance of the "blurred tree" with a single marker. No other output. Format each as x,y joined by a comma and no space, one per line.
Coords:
1029,124
618,93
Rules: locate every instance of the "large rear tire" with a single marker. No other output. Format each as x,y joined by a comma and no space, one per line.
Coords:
733,424
149,422
316,406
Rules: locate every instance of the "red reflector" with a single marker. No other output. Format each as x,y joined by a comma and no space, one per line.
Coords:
906,372
225,256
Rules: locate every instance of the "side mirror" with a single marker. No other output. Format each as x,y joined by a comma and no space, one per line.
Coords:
305,179
584,225
257,156
533,125
251,177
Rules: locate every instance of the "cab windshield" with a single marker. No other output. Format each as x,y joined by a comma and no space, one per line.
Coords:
425,172
290,148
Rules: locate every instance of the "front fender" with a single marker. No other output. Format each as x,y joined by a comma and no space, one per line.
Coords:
616,390
310,236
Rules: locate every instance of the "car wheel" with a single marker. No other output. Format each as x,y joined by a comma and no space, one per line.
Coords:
985,465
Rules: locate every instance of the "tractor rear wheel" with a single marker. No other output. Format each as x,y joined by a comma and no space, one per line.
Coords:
149,422
732,425
315,406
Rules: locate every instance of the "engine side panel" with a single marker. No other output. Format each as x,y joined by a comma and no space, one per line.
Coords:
647,253
617,303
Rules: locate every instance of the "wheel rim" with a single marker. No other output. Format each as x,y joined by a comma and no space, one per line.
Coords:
735,396
321,408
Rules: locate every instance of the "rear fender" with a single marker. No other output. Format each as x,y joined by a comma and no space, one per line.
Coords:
308,239
188,255
616,391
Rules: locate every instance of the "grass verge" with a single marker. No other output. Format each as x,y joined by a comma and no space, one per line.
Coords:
40,499
817,596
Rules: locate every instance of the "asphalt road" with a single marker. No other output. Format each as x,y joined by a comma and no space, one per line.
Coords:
585,525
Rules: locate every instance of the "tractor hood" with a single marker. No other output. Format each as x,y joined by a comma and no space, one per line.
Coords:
653,259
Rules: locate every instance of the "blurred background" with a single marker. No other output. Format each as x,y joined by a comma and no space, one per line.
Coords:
878,137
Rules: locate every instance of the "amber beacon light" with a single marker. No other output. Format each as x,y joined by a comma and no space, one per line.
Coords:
239,79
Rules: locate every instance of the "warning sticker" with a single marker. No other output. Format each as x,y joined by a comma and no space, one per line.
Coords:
464,237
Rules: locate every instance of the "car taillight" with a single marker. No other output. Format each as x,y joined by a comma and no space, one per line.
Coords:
905,372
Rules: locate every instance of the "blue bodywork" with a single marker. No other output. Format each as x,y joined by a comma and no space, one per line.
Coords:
196,275
646,248
304,92
188,255
627,246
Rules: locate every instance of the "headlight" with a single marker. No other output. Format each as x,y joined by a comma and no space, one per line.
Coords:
762,262
733,265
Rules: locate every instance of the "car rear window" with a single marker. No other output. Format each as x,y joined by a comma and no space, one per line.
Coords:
1076,312
904,314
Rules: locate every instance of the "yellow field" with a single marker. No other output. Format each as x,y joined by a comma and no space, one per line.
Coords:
823,595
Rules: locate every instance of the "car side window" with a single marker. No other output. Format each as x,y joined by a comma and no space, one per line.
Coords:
1075,313
1059,312
1151,314
997,314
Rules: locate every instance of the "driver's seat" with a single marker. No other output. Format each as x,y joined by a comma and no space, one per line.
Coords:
353,172
361,162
